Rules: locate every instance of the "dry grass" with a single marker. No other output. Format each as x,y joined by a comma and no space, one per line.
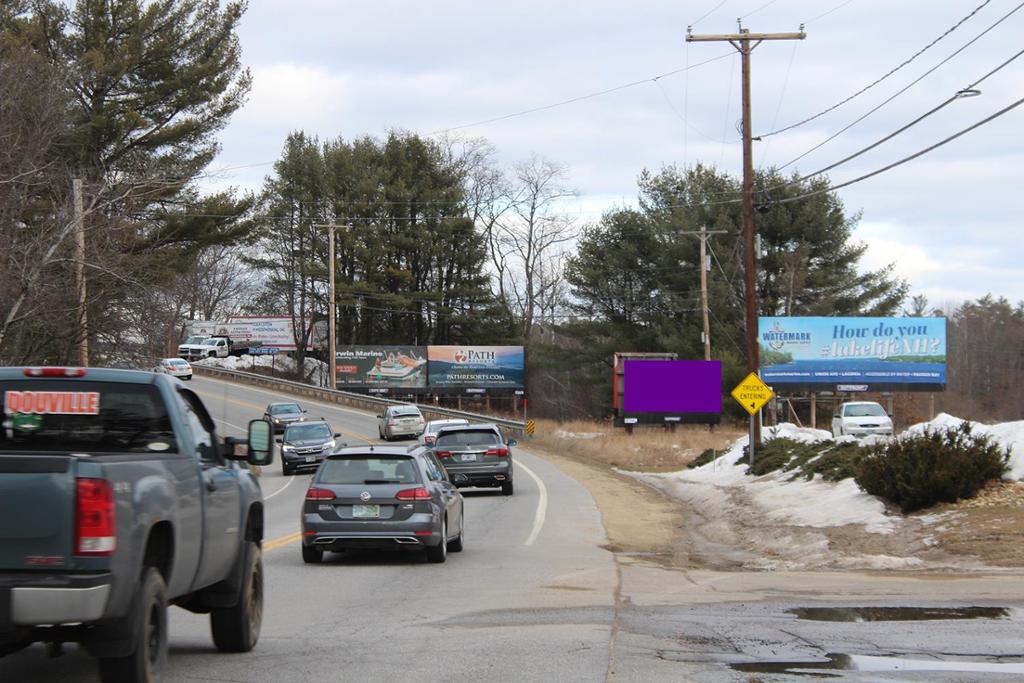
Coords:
648,449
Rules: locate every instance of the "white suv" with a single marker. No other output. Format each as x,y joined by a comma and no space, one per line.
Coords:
399,421
861,418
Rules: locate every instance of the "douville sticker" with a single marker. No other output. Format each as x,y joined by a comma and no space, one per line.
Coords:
52,402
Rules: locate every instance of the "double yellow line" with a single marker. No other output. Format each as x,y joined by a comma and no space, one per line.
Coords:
275,543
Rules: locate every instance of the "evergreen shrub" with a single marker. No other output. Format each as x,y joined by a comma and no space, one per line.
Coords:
918,471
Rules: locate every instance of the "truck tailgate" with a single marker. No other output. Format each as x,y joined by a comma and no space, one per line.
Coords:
37,498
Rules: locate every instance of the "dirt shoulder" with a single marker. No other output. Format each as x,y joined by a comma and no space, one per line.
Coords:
730,532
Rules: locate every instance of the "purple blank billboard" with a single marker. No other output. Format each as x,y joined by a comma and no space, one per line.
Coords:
672,386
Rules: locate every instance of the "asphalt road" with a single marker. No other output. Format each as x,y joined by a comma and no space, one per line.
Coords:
535,597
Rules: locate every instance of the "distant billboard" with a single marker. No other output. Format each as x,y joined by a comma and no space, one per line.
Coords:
268,330
381,366
690,390
455,367
879,354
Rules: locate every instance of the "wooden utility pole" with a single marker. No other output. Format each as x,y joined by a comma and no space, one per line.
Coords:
705,266
332,341
83,321
745,42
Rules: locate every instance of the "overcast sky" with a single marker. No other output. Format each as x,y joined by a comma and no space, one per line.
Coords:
950,221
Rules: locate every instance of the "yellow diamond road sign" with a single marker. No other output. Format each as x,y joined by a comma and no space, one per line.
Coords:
752,393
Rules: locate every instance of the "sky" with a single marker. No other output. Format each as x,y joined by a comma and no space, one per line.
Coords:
948,220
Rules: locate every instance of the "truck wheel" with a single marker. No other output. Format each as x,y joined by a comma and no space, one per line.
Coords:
147,662
212,354
236,629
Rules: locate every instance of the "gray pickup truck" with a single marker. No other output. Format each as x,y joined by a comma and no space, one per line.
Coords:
118,498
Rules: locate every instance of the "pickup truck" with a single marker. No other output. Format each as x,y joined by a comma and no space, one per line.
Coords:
214,347
117,499
196,340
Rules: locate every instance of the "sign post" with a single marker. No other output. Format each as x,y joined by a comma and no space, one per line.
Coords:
752,394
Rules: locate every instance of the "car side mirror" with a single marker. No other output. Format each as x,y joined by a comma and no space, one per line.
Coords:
337,435
380,417
278,440
512,442
261,443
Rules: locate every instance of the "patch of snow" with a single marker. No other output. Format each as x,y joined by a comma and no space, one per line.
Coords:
317,371
562,434
1008,434
788,430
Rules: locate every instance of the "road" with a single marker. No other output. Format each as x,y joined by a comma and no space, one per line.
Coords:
535,597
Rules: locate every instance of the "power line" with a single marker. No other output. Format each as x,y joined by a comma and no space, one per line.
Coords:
904,160
905,88
708,13
579,98
825,14
880,79
764,6
965,92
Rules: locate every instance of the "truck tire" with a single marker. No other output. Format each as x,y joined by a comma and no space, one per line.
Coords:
147,662
237,628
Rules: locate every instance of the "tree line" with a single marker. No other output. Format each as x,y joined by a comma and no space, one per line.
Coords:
437,242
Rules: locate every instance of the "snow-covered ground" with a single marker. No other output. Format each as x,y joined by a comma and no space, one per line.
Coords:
818,503
316,371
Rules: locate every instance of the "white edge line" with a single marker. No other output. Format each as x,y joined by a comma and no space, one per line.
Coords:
286,485
542,505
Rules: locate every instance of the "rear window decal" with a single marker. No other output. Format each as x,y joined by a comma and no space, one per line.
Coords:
52,402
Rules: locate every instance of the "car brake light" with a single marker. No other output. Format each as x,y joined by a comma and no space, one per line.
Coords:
444,454
55,372
497,451
413,494
319,494
95,527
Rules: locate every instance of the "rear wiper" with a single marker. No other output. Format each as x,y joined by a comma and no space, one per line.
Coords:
382,481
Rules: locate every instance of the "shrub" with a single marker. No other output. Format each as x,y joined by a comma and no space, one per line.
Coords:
707,456
832,461
916,472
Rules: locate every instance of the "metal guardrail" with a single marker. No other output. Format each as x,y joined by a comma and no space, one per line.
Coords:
350,398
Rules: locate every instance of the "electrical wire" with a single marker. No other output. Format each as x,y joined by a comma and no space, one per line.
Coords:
764,6
900,130
728,104
708,13
904,160
579,98
782,96
880,79
907,87
825,14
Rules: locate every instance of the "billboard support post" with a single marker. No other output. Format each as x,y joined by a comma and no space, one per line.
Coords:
814,410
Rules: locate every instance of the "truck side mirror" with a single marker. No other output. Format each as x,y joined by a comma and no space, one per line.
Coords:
261,443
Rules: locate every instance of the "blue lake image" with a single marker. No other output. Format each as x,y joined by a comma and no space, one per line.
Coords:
864,370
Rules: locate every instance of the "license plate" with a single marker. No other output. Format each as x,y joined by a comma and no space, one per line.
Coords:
468,457
310,458
366,510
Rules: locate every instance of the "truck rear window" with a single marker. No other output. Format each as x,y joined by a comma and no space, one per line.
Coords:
77,416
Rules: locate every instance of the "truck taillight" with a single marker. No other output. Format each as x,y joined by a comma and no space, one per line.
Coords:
95,523
55,372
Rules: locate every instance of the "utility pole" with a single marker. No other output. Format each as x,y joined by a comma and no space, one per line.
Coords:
83,322
705,266
332,341
745,42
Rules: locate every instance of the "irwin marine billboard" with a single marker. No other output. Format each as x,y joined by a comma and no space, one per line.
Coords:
853,354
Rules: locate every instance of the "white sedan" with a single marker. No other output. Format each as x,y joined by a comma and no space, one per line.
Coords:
176,367
861,418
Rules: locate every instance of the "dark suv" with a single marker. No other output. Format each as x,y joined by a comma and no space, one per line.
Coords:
305,445
476,455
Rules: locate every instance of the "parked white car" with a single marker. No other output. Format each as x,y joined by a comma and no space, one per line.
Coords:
176,367
861,418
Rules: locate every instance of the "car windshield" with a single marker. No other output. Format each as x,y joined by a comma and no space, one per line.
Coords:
177,362
84,417
456,439
308,431
369,469
405,412
864,410
195,340
284,408
435,427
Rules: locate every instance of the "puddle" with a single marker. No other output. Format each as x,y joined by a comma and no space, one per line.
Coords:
842,662
858,614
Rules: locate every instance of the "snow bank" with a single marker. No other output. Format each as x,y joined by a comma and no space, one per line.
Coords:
1009,434
562,434
314,369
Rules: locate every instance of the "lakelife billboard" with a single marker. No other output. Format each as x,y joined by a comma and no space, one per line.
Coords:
382,366
854,354
453,367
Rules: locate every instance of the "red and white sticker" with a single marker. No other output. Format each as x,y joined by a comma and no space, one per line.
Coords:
52,402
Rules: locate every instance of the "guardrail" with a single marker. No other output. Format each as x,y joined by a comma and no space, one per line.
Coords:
349,398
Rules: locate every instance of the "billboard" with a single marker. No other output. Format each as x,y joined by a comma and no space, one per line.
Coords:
382,366
268,330
454,367
670,388
873,354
